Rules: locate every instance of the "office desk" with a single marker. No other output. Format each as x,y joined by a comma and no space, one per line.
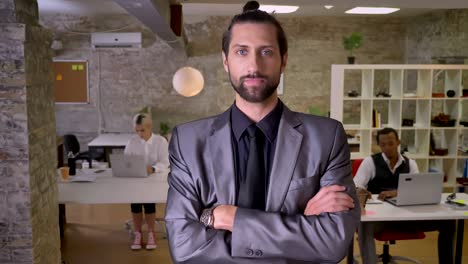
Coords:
387,212
110,190
109,142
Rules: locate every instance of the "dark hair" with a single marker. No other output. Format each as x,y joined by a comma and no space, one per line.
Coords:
253,15
386,131
139,119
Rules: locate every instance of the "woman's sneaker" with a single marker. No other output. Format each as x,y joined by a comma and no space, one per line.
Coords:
136,245
151,242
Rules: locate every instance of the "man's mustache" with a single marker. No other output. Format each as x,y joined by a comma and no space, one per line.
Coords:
253,75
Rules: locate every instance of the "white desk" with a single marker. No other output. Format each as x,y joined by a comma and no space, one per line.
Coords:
111,190
110,140
387,212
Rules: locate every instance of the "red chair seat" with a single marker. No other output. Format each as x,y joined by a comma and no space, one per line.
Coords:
389,235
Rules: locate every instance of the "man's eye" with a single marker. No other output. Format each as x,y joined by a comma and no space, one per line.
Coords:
267,52
242,52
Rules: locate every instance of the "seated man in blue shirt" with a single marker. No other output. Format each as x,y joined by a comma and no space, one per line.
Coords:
379,175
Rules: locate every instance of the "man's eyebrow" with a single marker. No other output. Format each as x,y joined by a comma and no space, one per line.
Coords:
247,46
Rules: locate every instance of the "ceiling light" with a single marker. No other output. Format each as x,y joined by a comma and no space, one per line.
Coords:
279,9
328,6
372,10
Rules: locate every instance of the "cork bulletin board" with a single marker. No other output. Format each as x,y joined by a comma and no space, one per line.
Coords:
71,81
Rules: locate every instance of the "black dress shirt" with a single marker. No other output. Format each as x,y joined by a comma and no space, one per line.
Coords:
240,141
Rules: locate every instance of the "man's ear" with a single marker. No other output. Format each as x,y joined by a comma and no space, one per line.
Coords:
225,62
284,62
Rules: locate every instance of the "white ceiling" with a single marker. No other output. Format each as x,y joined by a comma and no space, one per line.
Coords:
231,7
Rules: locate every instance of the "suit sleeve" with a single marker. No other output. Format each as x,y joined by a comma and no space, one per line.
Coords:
189,240
318,239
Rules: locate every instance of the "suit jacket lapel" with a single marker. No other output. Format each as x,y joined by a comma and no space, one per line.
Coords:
222,159
287,150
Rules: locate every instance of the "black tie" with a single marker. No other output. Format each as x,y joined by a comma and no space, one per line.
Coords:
252,192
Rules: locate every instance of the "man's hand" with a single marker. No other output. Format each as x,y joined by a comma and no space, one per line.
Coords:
224,217
329,199
149,169
387,194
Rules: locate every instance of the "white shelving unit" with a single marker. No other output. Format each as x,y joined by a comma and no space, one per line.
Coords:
412,88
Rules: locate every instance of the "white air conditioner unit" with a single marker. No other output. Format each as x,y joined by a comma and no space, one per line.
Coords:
116,40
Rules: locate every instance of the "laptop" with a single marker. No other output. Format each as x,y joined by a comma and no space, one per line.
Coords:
418,189
128,165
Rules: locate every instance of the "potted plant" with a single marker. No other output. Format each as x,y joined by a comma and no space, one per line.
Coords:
354,41
164,129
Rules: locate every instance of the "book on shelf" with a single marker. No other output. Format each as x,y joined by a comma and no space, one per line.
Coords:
376,119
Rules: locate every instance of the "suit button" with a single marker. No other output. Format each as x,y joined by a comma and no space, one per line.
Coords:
249,252
258,253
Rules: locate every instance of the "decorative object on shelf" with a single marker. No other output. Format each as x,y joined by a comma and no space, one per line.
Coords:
450,93
353,93
443,120
409,95
383,94
438,95
465,93
441,152
464,123
407,122
376,119
450,59
354,41
462,181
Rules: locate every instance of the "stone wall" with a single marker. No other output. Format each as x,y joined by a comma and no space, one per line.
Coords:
28,190
122,81
436,34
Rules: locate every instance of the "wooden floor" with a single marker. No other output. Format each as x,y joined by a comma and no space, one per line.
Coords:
96,234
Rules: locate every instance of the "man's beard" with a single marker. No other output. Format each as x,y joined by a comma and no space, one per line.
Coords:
258,94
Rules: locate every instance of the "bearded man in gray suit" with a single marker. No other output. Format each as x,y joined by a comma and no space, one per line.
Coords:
259,183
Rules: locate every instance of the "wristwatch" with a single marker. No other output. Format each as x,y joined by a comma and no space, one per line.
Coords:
207,217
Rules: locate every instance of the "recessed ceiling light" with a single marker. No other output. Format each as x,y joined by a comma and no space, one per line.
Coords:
282,9
328,6
372,10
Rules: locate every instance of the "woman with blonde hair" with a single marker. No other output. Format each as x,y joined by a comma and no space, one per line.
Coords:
155,150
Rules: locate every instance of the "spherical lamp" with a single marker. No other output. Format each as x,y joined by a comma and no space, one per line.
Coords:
188,81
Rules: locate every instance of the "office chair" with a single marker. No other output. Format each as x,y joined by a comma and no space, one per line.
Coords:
71,144
389,237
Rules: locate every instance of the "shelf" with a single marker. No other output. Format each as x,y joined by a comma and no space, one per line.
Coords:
444,128
354,127
354,98
386,99
442,157
353,142
415,155
357,155
444,99
450,185
414,128
411,87
416,98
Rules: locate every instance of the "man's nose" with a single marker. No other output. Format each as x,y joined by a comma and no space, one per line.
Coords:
254,61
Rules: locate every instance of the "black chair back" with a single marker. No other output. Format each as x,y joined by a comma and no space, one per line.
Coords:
70,142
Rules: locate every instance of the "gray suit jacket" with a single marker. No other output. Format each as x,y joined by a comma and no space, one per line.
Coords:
311,152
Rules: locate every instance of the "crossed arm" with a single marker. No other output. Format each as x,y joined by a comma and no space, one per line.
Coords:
320,234
330,199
